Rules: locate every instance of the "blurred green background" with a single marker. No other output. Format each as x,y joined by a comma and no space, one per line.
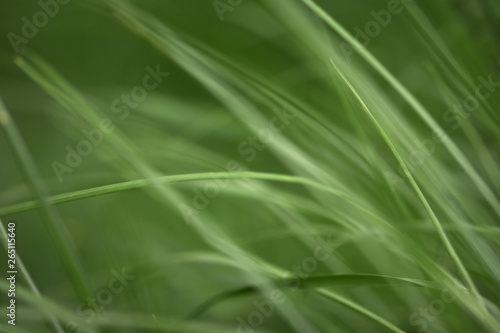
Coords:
227,80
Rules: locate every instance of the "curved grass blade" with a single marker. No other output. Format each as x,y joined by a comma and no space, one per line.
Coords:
142,183
329,281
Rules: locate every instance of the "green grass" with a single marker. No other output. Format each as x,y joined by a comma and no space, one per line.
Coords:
268,183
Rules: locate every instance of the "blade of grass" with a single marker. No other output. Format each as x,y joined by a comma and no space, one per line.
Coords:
330,281
53,222
142,183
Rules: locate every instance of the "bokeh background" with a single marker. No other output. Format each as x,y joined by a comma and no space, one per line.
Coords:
201,253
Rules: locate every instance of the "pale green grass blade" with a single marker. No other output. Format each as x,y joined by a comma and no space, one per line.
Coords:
53,222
